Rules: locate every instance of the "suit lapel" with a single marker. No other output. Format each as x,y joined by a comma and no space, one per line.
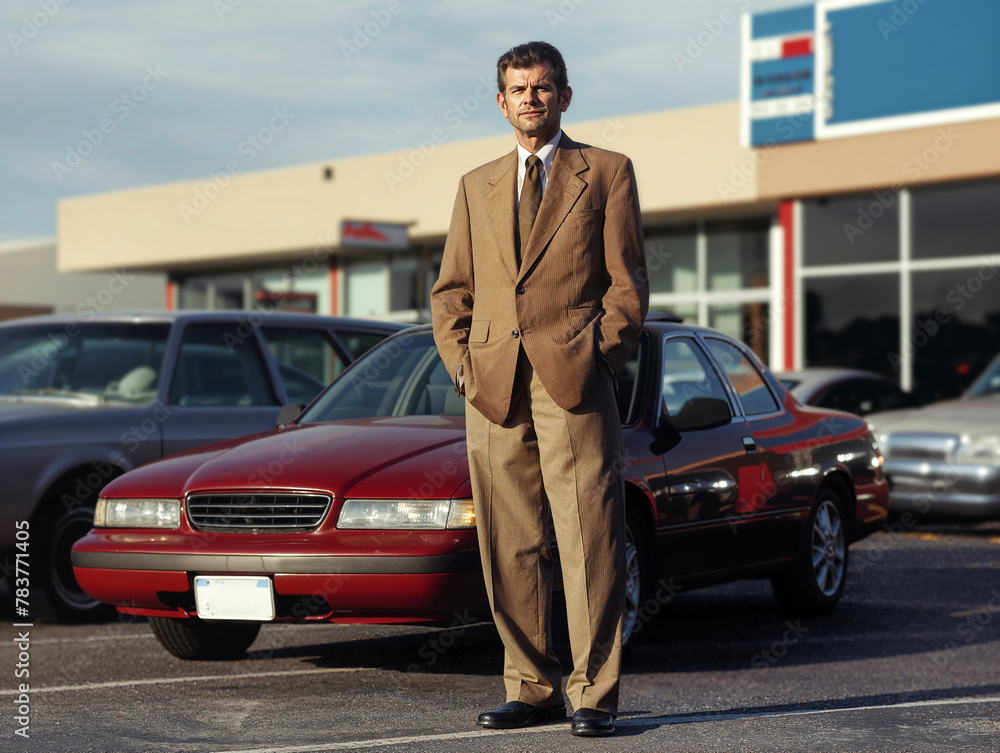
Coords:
499,198
562,190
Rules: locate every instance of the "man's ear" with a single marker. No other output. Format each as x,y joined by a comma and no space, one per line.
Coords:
503,104
564,98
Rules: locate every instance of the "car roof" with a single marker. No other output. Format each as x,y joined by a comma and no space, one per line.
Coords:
191,315
657,322
824,374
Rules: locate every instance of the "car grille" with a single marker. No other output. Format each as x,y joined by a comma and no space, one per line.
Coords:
919,446
250,513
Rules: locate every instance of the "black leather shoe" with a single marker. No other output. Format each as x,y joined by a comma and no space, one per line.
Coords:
592,723
517,714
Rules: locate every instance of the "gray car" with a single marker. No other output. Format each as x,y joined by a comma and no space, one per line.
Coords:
85,399
944,458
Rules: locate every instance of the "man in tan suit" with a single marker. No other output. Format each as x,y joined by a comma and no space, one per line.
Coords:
540,301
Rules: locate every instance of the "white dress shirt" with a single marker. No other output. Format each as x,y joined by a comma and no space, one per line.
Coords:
547,154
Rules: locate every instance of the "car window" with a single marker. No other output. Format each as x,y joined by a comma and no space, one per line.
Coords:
307,360
219,365
692,394
359,343
118,362
753,393
403,376
630,383
988,383
886,396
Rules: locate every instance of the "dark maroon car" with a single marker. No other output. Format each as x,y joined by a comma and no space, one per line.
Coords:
360,511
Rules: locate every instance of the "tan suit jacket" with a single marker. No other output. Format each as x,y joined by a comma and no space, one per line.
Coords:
579,298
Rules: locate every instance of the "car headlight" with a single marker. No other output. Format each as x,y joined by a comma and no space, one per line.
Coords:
413,514
137,513
977,450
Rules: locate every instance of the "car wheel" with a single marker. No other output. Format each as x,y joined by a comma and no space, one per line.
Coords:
197,639
636,583
66,599
815,583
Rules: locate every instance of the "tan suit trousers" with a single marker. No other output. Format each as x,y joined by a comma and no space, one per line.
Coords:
548,463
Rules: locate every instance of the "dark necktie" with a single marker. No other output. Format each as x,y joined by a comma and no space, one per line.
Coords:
531,199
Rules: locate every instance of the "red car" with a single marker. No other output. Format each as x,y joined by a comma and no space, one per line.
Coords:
359,510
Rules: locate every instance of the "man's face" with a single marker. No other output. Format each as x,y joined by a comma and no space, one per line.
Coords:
532,105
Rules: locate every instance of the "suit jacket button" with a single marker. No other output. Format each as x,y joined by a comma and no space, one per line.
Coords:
515,333
520,289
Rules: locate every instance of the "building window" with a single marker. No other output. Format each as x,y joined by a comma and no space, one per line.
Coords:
851,230
957,220
671,260
365,290
738,254
955,329
852,321
404,288
715,274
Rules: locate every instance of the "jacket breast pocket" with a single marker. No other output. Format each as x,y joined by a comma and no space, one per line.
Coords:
479,332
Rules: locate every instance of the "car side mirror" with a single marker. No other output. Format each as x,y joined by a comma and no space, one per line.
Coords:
700,413
288,413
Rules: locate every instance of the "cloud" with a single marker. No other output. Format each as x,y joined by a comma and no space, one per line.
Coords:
358,77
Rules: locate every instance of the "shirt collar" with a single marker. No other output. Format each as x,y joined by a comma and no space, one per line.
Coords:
547,154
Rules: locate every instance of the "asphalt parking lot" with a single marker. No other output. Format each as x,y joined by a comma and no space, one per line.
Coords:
910,661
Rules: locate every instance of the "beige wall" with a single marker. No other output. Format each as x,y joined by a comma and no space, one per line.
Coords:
682,158
865,163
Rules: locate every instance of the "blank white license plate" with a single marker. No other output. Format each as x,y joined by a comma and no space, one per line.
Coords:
234,597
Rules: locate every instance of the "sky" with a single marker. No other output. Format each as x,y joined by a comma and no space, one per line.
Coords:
106,95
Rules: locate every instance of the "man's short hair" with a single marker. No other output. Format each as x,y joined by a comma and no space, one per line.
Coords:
528,56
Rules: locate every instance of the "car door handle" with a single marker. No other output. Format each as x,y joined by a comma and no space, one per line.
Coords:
749,444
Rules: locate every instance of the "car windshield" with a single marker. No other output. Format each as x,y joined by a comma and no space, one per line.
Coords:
988,383
99,361
403,376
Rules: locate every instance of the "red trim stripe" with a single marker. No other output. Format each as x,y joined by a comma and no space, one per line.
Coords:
791,48
786,216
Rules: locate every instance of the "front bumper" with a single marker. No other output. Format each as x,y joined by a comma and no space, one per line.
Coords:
308,587
943,488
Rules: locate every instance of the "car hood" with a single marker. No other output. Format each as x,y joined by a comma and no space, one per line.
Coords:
971,416
419,456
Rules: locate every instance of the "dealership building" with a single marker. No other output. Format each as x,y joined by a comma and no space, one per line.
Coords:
844,212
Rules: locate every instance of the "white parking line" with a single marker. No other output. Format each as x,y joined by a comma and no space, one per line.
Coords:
198,678
623,722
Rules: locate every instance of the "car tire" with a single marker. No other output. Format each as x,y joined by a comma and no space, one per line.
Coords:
636,582
66,600
815,583
198,640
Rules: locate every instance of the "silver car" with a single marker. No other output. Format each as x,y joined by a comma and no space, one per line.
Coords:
944,458
85,399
